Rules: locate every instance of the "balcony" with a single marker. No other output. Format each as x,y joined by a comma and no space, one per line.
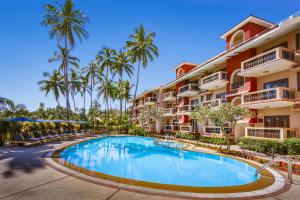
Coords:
213,103
188,90
140,104
184,110
212,131
271,133
214,81
269,98
169,96
185,128
170,128
270,62
169,112
150,101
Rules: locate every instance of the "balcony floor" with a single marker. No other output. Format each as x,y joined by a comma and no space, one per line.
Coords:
268,68
214,85
268,104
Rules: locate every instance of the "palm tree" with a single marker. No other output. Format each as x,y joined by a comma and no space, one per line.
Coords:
106,58
75,86
122,65
2,103
127,95
66,60
141,49
91,72
104,90
66,24
15,110
84,88
52,83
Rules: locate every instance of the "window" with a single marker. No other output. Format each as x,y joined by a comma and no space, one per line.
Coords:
237,38
297,41
277,83
194,103
221,95
298,80
202,98
194,82
209,97
282,121
236,81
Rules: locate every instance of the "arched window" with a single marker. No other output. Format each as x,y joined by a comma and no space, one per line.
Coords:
236,81
180,72
236,101
237,38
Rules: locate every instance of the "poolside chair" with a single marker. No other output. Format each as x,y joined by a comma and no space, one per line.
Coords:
27,137
19,140
50,137
39,136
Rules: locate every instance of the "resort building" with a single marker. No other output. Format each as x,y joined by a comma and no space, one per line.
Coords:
260,69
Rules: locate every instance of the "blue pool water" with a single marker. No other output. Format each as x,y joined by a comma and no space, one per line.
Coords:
141,159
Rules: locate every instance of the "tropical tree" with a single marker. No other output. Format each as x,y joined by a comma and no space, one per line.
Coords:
52,83
15,110
84,88
67,62
2,103
92,73
104,91
66,24
75,86
127,93
226,116
202,114
141,48
106,58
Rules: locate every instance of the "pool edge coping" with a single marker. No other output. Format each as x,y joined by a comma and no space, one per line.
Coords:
262,189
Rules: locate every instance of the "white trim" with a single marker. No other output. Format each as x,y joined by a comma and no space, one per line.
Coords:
234,35
252,19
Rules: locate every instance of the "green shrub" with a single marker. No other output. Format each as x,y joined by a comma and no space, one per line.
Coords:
292,145
266,146
185,136
135,130
212,140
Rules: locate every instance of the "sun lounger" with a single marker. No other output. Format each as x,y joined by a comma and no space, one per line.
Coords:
19,140
27,137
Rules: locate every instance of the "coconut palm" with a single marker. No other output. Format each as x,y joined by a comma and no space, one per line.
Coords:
106,58
15,110
104,91
66,61
84,88
52,83
127,93
91,73
66,25
74,87
142,50
122,65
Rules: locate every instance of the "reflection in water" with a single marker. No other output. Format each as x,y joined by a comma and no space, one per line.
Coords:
139,158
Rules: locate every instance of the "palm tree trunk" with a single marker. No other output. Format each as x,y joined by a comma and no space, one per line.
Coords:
135,90
73,98
84,93
91,92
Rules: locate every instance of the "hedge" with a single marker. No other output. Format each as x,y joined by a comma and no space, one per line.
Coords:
135,130
214,140
185,136
289,146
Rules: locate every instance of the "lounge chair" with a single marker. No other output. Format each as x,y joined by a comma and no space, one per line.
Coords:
19,140
50,137
27,137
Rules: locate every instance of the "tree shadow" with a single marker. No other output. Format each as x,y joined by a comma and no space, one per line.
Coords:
22,159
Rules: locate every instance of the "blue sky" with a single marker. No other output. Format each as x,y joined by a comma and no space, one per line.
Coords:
187,30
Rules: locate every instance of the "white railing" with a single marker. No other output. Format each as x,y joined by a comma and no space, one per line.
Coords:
170,94
213,77
271,133
213,103
184,109
170,111
267,57
237,43
212,130
185,128
188,87
170,127
150,100
279,93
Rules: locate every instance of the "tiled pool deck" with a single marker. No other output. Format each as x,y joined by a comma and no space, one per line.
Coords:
26,174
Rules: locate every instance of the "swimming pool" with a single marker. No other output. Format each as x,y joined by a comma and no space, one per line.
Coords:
139,158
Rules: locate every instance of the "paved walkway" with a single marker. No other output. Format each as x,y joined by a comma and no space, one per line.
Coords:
24,175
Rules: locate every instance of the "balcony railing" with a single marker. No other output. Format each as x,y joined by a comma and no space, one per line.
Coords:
267,60
170,111
213,103
279,93
170,127
184,109
185,128
237,85
213,77
170,94
150,100
212,130
189,88
237,43
271,133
